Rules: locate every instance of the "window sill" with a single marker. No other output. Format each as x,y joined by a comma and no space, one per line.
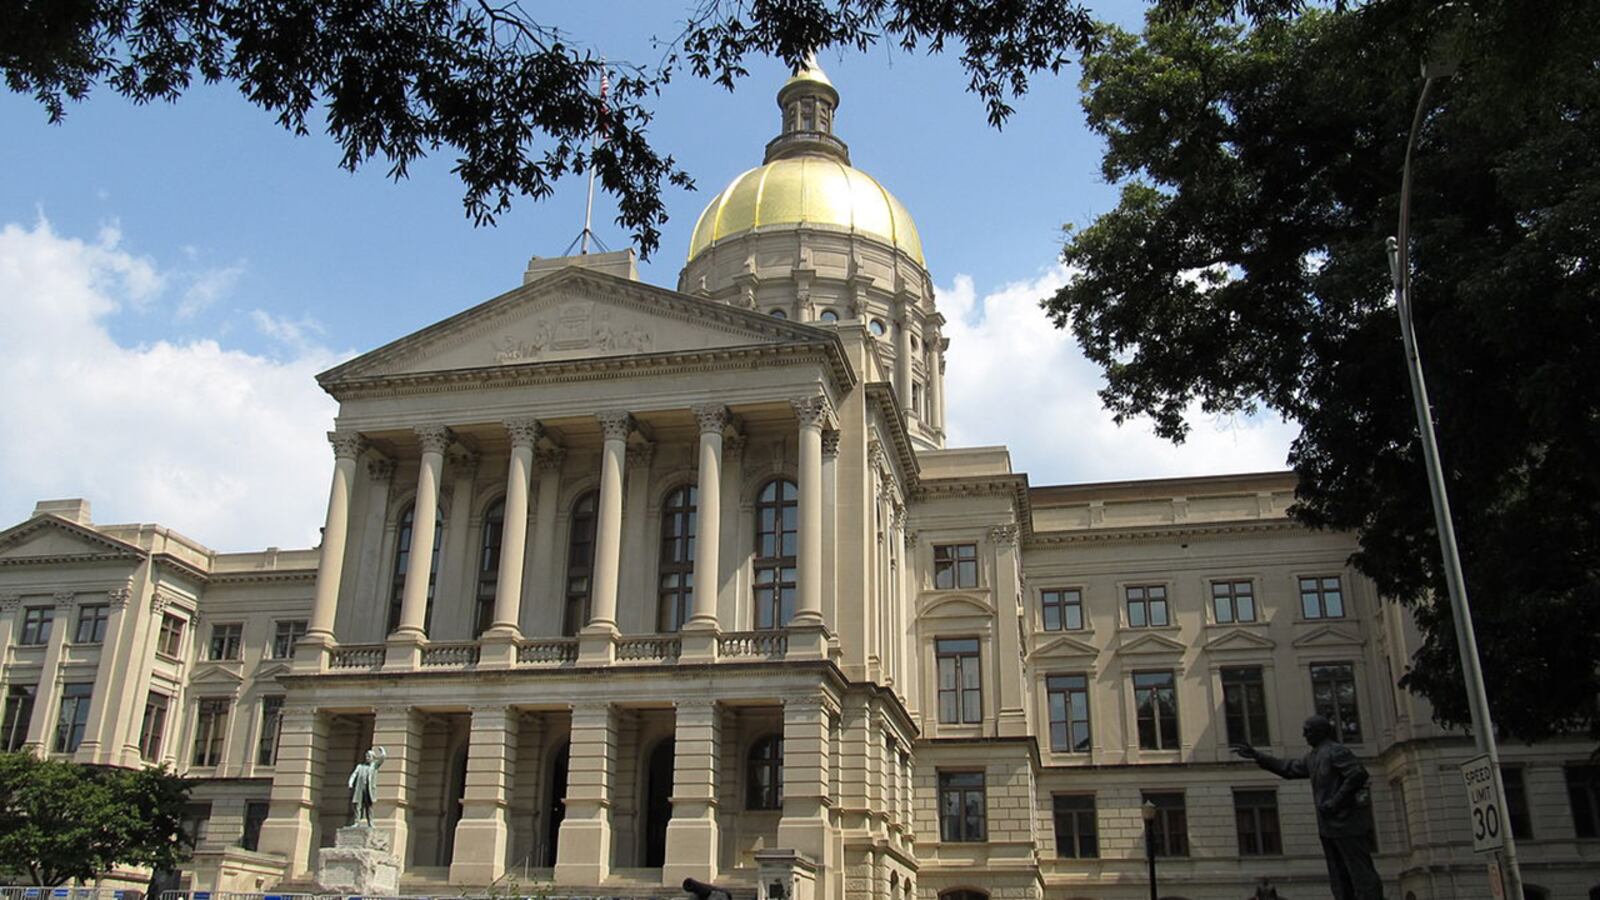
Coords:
168,658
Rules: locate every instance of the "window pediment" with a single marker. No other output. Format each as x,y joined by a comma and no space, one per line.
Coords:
950,606
1066,648
1328,636
1225,640
1151,645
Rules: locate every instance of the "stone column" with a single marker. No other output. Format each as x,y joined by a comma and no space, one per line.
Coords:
347,447
398,730
731,613
934,365
806,795
499,650
47,701
297,783
813,413
602,627
483,836
113,692
713,420
583,855
549,595
830,527
1013,718
902,355
10,604
414,598
907,637
692,833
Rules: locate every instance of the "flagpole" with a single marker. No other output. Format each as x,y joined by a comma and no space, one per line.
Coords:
588,206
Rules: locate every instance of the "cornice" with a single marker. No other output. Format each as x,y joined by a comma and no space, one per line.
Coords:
120,549
881,393
180,566
1158,532
263,576
1013,484
532,374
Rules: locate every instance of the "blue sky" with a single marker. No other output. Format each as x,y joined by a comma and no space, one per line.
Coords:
217,261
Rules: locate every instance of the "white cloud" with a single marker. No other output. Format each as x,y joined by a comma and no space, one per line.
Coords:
206,287
1012,378
222,445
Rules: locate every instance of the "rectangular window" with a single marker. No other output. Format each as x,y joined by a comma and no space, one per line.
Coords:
19,712
36,624
196,822
1156,701
1322,597
210,728
1233,601
1069,713
1256,813
955,566
916,401
255,815
285,635
963,809
227,641
1333,692
153,730
1244,705
170,642
271,722
1517,802
1169,830
91,624
1583,793
1075,826
1063,609
74,716
960,681
1147,606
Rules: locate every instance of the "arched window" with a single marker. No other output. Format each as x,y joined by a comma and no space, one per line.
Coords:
779,314
963,894
580,563
402,559
829,315
675,591
764,770
777,539
494,524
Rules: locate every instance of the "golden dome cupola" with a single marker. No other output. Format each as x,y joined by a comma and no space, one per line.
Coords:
806,236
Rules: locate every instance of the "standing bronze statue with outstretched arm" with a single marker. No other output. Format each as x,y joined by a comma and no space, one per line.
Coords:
1339,786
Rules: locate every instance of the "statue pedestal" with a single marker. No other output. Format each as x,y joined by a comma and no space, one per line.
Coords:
360,862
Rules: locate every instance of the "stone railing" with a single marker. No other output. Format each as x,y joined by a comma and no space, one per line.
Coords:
548,652
453,655
770,644
656,648
357,656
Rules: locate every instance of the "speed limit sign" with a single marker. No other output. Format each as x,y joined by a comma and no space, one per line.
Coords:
1488,822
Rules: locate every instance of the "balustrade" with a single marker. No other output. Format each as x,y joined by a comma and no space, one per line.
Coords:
453,655
771,644
357,656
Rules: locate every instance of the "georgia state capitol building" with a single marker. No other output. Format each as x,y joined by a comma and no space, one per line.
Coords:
635,584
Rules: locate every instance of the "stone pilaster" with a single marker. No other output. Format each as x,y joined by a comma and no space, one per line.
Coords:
1013,714
584,853
902,351
548,597
807,798
692,833
398,730
297,783
113,693
47,702
813,413
482,841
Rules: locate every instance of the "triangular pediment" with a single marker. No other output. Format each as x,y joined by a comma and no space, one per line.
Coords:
217,674
1238,639
1151,643
574,314
1328,636
269,672
1065,647
51,537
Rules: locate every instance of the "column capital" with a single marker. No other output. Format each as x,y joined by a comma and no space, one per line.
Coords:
641,454
830,442
465,461
615,424
713,417
380,468
734,444
159,601
911,539
524,432
549,458
66,599
434,438
117,598
1003,535
9,602
346,444
813,411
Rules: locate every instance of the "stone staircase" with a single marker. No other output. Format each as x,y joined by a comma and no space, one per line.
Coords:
624,884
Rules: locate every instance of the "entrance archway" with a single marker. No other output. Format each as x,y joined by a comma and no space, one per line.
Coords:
657,805
556,807
455,795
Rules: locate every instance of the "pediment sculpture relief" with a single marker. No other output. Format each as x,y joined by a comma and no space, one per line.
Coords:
575,328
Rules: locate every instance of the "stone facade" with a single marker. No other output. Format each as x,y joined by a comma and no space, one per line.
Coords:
875,670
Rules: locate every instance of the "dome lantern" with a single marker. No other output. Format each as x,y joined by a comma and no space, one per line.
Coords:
808,100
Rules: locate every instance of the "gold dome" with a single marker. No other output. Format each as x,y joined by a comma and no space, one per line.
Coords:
807,190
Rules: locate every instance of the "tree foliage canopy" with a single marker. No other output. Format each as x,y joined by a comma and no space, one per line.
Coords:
60,821
514,99
1245,267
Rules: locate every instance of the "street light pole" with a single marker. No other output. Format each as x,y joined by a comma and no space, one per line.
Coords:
1148,811
1460,609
